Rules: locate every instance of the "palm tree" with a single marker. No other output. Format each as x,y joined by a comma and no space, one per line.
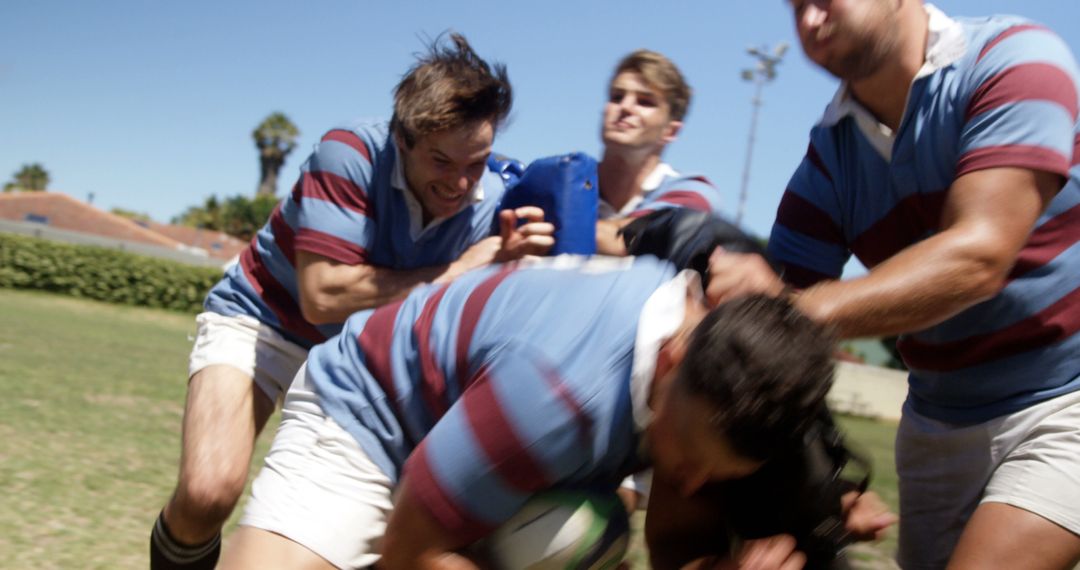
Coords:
275,138
31,177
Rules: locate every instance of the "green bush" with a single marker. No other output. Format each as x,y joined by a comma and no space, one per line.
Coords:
102,274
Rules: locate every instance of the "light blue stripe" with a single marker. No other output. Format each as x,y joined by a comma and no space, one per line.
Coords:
332,219
1032,122
1030,46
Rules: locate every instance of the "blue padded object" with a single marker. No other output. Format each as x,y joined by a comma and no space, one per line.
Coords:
565,187
508,168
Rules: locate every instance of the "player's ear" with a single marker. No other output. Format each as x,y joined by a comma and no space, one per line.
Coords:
672,131
671,354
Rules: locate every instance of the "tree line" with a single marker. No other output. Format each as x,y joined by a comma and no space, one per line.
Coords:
240,216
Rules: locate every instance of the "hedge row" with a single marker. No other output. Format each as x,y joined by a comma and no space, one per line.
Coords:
102,274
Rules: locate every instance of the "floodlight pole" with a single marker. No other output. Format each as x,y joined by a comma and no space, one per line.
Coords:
763,73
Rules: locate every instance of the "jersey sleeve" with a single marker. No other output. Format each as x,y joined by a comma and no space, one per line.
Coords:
694,192
1022,104
335,216
515,431
806,239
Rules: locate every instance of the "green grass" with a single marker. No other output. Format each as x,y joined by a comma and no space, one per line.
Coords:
90,424
89,428
874,439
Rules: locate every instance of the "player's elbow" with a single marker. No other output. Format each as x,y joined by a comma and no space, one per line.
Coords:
318,307
987,280
985,270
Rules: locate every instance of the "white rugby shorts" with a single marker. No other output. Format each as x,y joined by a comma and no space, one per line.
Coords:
248,345
318,488
1029,459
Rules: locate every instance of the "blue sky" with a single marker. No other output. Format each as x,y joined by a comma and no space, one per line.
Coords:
149,105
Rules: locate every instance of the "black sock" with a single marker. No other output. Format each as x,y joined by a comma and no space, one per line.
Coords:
166,553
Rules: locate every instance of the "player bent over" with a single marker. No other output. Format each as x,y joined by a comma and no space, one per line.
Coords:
428,422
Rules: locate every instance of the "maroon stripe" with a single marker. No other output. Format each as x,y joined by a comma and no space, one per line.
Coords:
815,159
1005,35
801,215
801,277
1048,241
334,189
1053,324
702,179
1076,151
1025,82
1015,156
470,316
908,222
349,138
283,235
497,436
429,493
580,418
331,246
375,342
686,199
434,382
276,297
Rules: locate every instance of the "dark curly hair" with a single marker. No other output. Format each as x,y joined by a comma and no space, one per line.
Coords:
764,368
449,87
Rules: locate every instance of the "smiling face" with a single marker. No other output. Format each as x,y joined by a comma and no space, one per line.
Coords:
442,168
851,39
686,449
637,115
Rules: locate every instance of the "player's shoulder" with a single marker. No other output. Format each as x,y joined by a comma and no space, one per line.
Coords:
1002,41
367,139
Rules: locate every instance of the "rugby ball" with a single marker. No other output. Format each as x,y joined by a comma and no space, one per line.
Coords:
559,530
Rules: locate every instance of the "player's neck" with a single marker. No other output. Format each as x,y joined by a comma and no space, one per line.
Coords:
885,92
621,175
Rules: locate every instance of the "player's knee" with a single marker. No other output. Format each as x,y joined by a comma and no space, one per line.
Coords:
209,497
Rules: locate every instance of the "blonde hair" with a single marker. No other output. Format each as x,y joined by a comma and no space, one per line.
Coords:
660,73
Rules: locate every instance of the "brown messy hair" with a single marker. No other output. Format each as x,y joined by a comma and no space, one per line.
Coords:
660,73
764,368
447,88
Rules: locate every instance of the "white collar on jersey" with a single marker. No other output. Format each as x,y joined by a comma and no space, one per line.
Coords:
416,211
651,182
945,44
661,316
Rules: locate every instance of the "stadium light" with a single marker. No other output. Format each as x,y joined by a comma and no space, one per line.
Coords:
764,72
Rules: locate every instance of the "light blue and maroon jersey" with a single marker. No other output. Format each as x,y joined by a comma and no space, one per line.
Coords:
347,206
510,380
679,191
667,188
996,92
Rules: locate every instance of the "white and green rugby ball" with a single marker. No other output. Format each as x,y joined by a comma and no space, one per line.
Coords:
562,530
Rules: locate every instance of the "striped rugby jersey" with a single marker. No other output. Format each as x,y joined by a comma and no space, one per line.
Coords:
349,205
666,188
994,92
510,380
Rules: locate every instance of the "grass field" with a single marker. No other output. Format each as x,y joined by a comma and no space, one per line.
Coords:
89,431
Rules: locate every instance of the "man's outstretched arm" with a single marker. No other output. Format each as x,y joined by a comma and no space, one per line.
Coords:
330,290
987,219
